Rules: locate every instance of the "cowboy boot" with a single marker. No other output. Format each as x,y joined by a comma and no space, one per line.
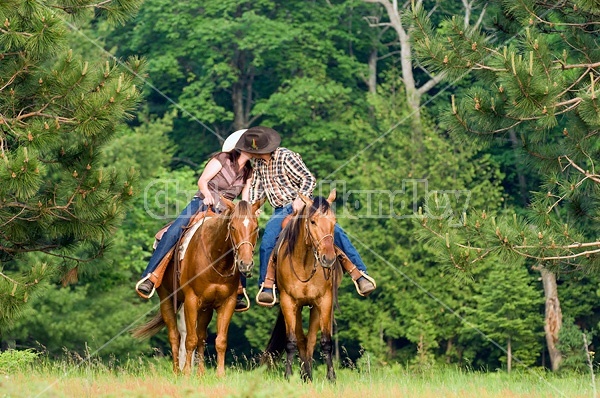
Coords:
146,286
242,301
364,283
266,295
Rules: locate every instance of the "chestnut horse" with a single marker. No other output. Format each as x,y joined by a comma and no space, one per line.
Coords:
219,252
308,275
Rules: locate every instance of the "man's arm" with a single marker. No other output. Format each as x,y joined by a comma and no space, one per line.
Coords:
256,188
298,171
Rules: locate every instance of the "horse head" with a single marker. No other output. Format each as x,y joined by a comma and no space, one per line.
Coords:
243,233
319,221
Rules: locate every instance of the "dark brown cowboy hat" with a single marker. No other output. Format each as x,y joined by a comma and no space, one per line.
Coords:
259,140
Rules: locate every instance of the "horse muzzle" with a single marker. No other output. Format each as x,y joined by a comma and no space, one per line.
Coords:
245,268
327,262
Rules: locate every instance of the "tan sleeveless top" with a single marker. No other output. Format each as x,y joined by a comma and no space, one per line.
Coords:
229,181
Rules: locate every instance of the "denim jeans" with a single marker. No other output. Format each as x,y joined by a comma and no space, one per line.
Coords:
273,228
172,235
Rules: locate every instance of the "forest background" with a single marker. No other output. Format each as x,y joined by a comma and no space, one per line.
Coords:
461,136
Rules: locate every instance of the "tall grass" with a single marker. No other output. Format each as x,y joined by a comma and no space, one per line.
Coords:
78,376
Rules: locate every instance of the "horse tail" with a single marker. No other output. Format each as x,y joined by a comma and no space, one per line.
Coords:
277,342
149,329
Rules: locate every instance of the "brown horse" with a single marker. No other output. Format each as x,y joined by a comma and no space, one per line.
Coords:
219,252
307,275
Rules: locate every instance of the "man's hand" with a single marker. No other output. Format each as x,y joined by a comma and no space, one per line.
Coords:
297,205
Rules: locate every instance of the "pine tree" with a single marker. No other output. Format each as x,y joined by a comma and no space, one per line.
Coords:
534,72
57,112
507,312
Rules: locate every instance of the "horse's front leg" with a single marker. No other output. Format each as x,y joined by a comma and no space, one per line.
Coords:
289,310
191,340
311,340
326,317
204,318
224,313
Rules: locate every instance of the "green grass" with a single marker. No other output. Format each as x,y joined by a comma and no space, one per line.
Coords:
153,378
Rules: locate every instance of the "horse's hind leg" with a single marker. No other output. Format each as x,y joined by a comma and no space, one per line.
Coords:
204,318
326,316
191,340
168,313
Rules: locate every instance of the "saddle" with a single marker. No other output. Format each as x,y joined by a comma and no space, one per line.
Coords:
195,221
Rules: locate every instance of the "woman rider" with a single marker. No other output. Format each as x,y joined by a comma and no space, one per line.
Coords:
227,174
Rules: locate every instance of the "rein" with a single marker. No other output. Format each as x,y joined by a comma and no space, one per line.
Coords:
315,250
234,246
316,247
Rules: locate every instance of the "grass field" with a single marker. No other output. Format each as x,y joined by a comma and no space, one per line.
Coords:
154,379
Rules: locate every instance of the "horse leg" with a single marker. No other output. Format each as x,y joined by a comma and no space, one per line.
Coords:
326,316
182,334
168,313
304,358
289,310
311,337
224,313
191,340
204,318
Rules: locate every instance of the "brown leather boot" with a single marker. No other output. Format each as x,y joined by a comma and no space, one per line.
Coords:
266,296
146,286
364,283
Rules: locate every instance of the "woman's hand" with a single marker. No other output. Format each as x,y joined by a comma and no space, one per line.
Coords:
208,200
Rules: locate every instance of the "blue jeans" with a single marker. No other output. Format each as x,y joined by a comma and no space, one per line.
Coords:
273,228
172,235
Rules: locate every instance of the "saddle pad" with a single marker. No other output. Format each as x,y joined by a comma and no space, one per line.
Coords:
185,241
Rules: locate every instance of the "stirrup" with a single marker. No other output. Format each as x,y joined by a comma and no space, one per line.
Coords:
274,288
137,285
367,277
247,300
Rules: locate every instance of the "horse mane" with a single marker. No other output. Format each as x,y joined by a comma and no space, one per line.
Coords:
292,231
243,209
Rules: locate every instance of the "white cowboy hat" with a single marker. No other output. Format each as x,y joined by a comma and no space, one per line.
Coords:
231,141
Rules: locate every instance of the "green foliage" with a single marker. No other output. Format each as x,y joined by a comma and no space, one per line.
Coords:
301,67
57,112
16,361
507,312
538,84
229,65
572,346
409,316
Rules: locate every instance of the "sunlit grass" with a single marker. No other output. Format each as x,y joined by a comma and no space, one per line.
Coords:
152,377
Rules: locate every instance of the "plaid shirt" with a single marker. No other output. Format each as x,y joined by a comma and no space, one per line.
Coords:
281,178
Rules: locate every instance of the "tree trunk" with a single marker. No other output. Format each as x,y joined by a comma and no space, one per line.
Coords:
449,348
237,97
372,81
553,317
413,97
509,356
519,167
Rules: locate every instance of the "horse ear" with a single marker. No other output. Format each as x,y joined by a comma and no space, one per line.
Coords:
307,201
331,196
258,204
227,203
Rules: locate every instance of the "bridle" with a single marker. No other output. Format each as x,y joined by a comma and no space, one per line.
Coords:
236,247
316,246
